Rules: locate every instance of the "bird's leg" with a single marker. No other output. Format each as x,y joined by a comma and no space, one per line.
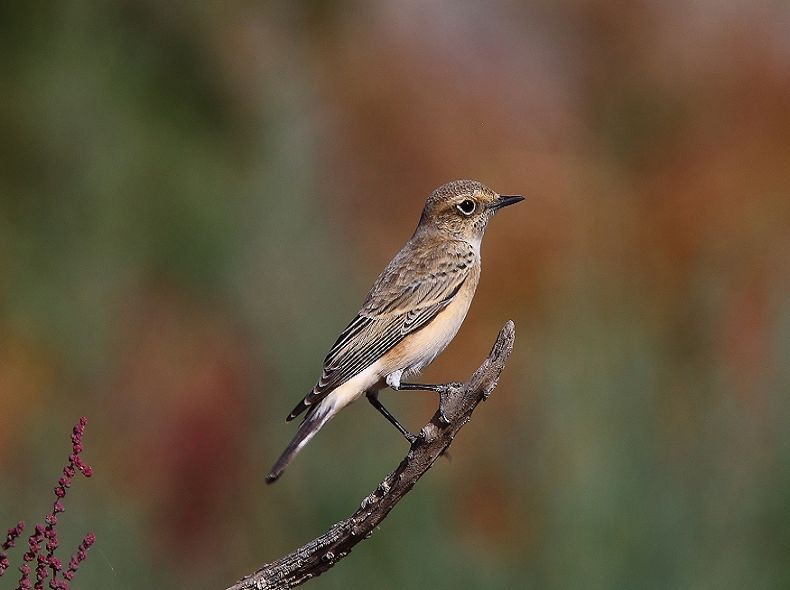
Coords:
420,387
373,398
393,380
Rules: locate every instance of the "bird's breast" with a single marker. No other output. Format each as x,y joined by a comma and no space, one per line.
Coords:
418,350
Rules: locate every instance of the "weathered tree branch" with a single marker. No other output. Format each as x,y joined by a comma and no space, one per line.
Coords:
457,402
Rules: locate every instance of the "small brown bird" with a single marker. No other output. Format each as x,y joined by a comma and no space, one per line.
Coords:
410,315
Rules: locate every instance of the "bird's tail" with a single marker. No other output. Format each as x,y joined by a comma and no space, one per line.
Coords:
311,424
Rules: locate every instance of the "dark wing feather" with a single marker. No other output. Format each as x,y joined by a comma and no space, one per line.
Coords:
406,297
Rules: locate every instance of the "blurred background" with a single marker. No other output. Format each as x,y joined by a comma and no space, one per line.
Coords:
195,198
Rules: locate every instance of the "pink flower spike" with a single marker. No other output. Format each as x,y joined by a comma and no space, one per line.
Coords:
12,535
39,560
80,556
10,542
24,581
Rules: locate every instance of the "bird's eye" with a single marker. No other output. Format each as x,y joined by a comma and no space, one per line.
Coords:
467,206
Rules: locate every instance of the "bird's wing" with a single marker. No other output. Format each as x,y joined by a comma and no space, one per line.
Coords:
412,290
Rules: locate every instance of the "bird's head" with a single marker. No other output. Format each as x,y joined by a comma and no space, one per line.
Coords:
462,209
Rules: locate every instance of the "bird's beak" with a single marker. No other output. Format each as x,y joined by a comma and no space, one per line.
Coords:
505,200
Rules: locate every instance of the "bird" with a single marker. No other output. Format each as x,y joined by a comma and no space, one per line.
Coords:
410,315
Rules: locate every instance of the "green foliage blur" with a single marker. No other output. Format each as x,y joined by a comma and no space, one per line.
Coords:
194,198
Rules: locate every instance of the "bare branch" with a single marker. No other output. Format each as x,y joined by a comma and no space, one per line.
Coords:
457,402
